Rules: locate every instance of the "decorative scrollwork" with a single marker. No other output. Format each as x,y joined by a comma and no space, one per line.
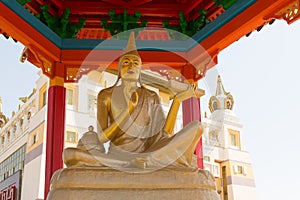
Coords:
289,13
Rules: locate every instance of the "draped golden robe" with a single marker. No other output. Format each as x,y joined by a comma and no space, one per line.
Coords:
140,137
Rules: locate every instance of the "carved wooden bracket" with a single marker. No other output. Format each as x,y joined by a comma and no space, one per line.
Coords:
290,13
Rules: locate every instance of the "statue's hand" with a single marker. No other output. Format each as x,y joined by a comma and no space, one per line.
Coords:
131,97
133,101
112,130
190,92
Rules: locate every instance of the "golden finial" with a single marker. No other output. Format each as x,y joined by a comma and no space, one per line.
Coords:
219,79
220,88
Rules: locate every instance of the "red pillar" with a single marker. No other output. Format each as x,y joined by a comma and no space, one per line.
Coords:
55,132
191,112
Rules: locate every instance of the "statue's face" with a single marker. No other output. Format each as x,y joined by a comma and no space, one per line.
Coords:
130,67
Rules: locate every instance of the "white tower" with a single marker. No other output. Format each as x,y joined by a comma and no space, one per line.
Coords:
224,153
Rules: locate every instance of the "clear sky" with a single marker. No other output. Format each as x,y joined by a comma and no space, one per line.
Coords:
16,79
261,72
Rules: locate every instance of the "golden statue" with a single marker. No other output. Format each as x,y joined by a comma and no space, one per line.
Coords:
131,118
141,139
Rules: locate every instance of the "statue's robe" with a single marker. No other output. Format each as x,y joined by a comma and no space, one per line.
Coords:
144,128
142,136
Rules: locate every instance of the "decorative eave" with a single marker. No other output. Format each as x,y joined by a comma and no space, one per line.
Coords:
192,58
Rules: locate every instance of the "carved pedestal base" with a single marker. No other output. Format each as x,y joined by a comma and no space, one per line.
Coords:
103,183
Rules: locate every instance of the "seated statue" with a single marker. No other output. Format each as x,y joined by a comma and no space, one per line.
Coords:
130,117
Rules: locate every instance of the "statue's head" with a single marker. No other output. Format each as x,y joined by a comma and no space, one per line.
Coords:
130,62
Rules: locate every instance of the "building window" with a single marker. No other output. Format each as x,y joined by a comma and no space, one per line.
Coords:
213,137
14,128
34,138
228,105
239,169
217,170
234,138
28,115
71,136
21,121
91,103
8,136
44,100
69,95
2,140
12,163
207,158
42,96
215,105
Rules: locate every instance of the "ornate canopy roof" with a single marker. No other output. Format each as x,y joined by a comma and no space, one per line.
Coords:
59,35
151,12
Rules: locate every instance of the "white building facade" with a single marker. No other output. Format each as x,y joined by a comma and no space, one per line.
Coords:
23,137
224,153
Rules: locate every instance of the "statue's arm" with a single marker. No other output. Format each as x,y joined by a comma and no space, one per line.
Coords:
172,114
107,132
103,105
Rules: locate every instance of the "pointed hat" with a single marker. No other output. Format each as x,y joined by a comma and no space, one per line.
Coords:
131,46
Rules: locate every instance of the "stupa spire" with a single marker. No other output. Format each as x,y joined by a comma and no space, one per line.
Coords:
222,100
220,91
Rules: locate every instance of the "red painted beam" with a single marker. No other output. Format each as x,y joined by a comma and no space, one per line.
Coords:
100,57
59,4
94,21
191,5
131,3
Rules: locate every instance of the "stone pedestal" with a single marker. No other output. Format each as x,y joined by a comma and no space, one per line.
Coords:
108,184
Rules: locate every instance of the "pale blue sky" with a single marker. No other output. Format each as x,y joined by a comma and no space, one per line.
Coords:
262,74
16,79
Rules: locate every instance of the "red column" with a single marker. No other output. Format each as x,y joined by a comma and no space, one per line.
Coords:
55,132
191,112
